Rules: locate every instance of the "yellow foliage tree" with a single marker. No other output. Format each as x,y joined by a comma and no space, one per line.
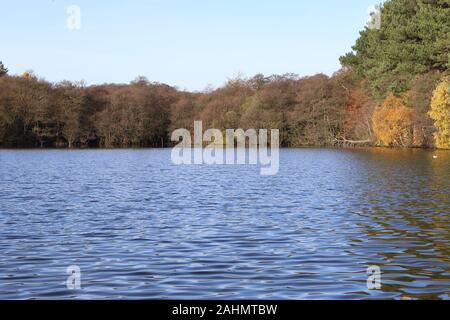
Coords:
29,75
393,123
440,113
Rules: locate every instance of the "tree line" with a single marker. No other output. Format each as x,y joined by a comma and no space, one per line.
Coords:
392,90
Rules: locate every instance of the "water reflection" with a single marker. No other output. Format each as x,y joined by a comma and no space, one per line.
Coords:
409,209
140,227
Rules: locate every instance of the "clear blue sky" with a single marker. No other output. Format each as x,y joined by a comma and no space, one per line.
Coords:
188,44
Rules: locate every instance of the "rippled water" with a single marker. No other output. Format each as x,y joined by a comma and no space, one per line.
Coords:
142,228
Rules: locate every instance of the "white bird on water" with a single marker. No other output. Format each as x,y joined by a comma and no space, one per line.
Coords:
435,157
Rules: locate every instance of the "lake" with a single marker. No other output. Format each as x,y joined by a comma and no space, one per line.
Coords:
139,227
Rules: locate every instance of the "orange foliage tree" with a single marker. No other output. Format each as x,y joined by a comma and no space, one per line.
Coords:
393,123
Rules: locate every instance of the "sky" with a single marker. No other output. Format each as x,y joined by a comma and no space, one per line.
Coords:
188,44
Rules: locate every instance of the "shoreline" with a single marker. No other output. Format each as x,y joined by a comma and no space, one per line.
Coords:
169,148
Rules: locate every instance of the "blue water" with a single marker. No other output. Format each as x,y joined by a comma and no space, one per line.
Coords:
140,227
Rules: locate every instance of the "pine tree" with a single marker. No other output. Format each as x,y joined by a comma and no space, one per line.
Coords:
413,39
3,70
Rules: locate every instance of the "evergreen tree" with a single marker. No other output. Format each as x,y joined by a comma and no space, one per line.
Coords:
3,70
414,38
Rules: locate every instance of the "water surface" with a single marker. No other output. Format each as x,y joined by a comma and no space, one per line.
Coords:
140,227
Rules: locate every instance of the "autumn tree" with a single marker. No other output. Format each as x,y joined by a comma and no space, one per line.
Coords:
135,115
42,111
184,111
440,113
393,123
72,119
317,116
9,119
359,106
221,108
29,75
418,97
